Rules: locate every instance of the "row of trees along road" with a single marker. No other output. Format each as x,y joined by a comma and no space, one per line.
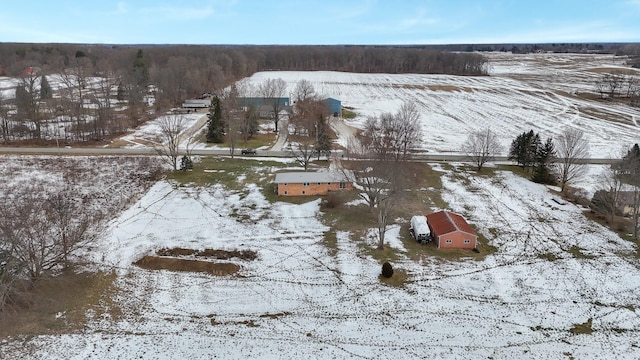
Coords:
381,162
551,162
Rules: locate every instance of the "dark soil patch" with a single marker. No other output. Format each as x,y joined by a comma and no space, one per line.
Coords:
210,253
174,264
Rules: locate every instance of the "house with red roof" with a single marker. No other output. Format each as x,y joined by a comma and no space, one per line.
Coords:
451,231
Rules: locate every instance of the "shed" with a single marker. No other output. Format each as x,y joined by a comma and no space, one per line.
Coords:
450,230
334,106
196,103
311,183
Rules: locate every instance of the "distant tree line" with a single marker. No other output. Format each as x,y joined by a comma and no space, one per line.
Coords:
220,64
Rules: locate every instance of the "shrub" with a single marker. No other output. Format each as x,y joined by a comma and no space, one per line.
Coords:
186,163
332,200
387,270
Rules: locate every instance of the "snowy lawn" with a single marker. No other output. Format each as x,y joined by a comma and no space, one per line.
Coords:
553,270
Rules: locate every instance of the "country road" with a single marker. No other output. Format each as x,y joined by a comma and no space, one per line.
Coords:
225,152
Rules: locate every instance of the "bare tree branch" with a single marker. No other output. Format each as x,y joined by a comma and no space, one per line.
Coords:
482,147
571,146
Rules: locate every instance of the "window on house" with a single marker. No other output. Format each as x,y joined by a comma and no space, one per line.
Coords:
329,184
303,192
448,241
318,183
343,185
467,241
305,184
285,184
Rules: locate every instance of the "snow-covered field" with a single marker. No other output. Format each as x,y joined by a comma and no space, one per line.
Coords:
524,92
299,299
554,269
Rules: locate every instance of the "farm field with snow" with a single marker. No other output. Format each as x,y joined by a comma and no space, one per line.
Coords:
558,285
540,92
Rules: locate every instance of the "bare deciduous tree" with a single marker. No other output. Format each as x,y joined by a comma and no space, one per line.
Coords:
379,162
606,199
171,129
481,147
272,90
5,124
571,147
303,151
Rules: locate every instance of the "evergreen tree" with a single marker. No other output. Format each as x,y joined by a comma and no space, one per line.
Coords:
186,163
215,124
140,70
323,143
45,88
543,172
524,148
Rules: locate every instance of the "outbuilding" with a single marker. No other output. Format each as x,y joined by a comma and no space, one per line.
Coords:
450,230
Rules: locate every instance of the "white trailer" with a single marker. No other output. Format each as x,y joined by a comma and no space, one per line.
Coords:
420,229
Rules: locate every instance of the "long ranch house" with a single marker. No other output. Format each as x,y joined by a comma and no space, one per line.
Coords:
311,183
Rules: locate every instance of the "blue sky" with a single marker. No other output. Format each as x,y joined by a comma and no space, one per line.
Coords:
320,21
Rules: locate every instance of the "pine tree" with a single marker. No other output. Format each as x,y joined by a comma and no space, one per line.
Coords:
186,163
323,144
543,173
45,88
215,125
523,149
140,70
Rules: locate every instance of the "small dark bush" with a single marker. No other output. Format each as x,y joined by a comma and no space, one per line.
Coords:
186,163
332,200
387,270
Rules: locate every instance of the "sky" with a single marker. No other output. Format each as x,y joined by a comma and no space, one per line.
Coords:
320,22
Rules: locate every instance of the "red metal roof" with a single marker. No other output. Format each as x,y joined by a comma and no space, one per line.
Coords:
444,222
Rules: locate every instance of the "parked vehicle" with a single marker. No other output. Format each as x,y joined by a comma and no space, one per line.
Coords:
249,152
420,229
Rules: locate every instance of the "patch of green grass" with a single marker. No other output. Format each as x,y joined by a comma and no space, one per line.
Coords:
227,171
63,304
525,173
584,328
331,242
398,279
548,256
348,114
387,254
257,141
578,254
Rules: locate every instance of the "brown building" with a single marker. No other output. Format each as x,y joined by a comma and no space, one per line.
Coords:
451,231
311,183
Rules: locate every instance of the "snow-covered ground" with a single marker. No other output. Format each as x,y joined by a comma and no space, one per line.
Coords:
554,269
299,299
523,92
